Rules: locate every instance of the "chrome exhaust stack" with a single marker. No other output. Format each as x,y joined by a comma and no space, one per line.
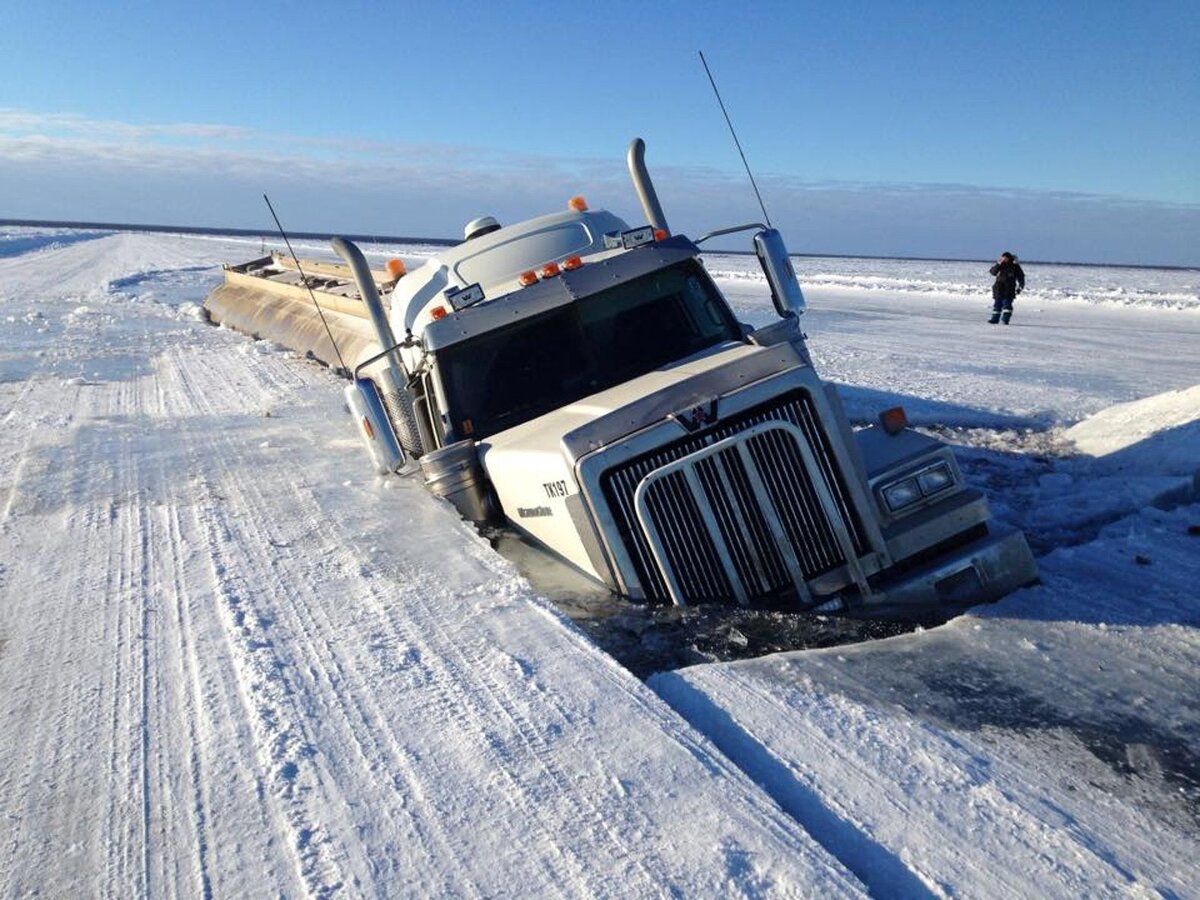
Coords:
391,393
354,258
636,159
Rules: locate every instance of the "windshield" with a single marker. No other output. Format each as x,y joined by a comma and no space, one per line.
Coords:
513,374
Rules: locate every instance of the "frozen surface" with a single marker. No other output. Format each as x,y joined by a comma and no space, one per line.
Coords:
1048,745
235,663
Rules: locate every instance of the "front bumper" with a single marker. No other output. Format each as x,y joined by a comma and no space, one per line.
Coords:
981,571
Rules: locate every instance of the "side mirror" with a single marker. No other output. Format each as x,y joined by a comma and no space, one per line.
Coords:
781,275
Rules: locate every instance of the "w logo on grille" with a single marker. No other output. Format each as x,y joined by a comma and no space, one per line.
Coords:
697,416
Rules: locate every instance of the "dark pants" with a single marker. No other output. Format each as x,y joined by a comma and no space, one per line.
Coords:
1002,303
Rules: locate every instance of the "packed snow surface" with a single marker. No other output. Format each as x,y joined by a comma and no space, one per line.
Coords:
236,663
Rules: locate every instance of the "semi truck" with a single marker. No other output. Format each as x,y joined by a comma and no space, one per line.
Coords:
585,383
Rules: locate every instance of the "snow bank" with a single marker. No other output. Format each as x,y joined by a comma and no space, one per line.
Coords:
1131,288
1160,434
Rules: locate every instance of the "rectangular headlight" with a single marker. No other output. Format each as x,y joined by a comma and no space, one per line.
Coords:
936,479
901,494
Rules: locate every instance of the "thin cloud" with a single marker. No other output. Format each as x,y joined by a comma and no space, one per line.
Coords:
212,174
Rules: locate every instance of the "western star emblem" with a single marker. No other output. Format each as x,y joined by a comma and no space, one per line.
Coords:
697,416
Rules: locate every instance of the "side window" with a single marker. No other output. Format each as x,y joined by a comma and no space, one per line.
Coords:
699,298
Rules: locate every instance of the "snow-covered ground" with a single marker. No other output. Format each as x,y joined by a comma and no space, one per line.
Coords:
234,662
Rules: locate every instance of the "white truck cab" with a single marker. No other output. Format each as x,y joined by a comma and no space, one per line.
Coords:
586,383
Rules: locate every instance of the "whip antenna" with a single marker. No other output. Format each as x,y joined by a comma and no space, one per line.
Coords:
736,142
304,279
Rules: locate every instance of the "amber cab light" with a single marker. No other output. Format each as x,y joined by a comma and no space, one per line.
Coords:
396,268
550,269
893,420
660,234
578,204
527,278
572,262
438,312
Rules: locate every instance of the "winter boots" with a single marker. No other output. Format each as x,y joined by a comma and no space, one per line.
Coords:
997,318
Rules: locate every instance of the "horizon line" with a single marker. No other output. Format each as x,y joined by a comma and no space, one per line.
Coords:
448,242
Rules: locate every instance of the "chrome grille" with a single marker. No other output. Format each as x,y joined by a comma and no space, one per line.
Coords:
737,519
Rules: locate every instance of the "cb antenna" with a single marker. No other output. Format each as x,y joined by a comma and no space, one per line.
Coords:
736,142
304,279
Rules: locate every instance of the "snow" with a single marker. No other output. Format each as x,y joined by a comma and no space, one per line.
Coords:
1171,420
235,662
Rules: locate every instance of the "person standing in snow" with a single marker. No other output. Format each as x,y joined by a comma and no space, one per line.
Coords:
1010,281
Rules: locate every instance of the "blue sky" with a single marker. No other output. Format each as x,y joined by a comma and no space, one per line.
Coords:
1063,131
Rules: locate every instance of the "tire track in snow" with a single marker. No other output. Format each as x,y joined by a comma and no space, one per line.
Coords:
147,587
60,713
113,764
188,675
280,731
362,721
533,751
285,745
449,659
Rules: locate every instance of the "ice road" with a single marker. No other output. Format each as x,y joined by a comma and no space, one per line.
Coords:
234,662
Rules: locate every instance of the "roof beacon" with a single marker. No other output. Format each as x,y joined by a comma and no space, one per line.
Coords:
479,227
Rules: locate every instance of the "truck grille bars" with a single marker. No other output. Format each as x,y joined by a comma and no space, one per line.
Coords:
749,510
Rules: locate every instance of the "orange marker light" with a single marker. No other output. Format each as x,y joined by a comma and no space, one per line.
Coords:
438,312
550,269
893,420
578,204
527,277
572,262
660,234
370,432
396,268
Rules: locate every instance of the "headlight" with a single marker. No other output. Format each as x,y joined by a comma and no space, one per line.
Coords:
901,494
926,483
933,480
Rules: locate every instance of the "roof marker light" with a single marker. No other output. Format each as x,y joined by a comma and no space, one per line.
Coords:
572,262
893,420
438,312
578,204
396,268
660,234
527,278
550,269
